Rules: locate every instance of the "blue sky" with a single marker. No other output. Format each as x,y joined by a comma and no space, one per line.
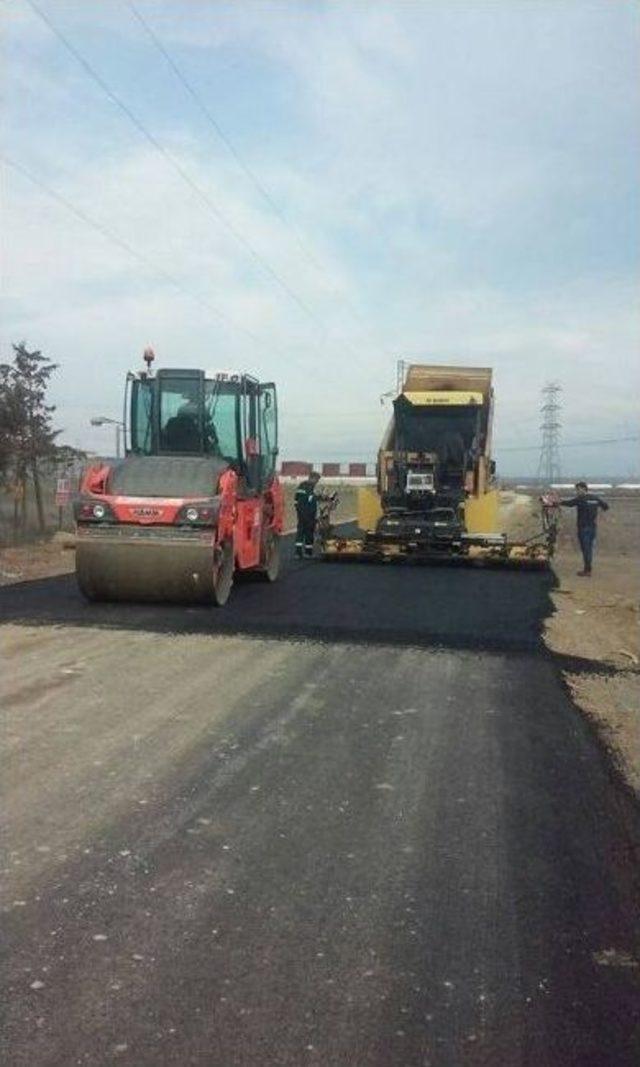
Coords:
453,182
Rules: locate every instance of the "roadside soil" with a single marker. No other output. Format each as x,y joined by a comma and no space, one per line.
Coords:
40,559
596,624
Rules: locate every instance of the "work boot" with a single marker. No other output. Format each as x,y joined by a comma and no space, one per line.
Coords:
584,574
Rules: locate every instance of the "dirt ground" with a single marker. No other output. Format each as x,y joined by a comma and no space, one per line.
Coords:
41,559
596,624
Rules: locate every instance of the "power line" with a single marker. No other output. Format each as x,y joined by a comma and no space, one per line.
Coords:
375,412
372,412
220,133
176,166
125,246
244,166
570,444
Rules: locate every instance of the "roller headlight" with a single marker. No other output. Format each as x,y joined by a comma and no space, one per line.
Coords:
199,513
88,510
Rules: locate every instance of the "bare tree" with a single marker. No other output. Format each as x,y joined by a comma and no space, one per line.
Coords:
27,437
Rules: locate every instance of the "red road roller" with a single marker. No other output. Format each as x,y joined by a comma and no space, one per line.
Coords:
195,500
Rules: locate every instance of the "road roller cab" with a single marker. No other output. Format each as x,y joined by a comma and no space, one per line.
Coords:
196,498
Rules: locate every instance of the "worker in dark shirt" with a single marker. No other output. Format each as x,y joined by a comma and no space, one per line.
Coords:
306,504
587,506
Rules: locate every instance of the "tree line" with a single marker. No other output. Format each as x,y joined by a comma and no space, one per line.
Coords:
28,441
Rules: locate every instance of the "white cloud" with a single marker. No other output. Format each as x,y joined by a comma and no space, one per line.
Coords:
437,160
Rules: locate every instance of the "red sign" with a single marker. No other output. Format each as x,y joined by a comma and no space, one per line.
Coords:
63,491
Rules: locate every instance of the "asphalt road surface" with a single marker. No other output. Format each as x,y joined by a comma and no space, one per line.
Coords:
352,819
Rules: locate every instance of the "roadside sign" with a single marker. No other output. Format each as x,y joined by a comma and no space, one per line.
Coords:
63,491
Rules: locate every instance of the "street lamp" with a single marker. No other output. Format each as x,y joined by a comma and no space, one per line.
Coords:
102,420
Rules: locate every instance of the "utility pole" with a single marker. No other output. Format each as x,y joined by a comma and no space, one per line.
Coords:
549,462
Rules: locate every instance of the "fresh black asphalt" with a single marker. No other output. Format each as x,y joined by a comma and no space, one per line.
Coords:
405,849
407,604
